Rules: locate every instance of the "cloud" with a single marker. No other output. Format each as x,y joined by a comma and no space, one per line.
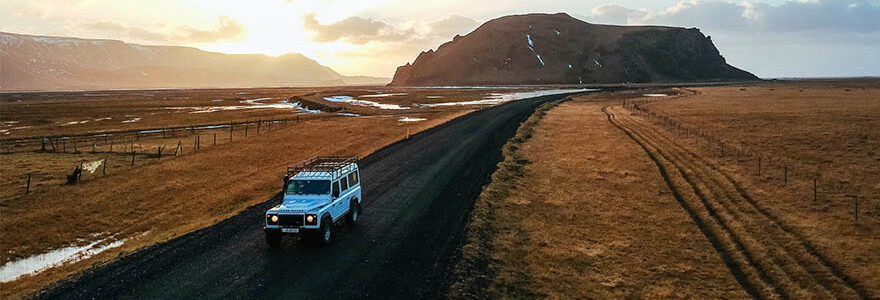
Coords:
355,30
31,11
611,14
851,16
226,29
452,25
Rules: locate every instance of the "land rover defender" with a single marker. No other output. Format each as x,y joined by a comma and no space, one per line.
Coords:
318,193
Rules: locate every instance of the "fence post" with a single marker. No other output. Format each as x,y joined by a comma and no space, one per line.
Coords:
111,146
158,152
759,166
785,177
132,156
43,146
231,126
215,139
722,149
856,204
27,189
246,125
815,183
259,123
104,170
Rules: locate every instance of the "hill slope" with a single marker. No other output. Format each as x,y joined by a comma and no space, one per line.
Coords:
54,63
544,48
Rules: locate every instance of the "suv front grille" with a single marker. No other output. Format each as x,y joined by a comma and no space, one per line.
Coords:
290,220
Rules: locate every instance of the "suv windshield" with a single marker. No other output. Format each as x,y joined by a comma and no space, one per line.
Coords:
308,187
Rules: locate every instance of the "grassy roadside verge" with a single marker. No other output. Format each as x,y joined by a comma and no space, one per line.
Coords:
474,276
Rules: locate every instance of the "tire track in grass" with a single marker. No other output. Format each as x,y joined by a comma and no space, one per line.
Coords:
791,253
745,273
780,268
825,271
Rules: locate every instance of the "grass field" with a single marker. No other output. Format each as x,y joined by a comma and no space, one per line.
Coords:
581,212
43,136
157,199
637,201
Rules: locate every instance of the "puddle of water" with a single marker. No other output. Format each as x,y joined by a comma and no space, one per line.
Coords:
408,119
37,263
497,98
349,114
466,87
353,101
655,95
299,107
75,122
382,95
251,104
132,120
339,99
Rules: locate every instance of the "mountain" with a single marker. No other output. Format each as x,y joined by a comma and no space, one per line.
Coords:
556,48
56,63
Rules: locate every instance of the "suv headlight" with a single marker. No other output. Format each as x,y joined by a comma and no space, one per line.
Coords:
311,219
272,219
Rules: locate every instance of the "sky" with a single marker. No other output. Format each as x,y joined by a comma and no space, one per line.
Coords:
771,38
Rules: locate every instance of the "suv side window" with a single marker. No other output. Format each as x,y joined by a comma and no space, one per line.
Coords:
335,189
353,178
344,182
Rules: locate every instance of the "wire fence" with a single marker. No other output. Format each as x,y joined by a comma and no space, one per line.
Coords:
80,158
804,178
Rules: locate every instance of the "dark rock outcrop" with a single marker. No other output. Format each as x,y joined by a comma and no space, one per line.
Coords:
559,49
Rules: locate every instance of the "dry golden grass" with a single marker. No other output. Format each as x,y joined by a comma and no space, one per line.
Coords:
26,117
161,200
579,211
827,128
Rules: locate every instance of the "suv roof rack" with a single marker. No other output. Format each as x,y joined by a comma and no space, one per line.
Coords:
322,164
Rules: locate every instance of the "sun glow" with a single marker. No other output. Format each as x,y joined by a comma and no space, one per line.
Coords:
276,27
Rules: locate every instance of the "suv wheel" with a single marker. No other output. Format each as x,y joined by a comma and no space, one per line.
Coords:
354,212
273,238
323,236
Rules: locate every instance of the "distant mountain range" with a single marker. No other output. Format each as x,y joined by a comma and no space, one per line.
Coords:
56,63
559,49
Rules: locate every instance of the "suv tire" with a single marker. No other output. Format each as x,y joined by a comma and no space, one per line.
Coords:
354,212
324,234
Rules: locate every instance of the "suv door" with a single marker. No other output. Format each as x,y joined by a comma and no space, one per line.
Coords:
337,209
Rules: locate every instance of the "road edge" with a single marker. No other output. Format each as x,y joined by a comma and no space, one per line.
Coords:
471,274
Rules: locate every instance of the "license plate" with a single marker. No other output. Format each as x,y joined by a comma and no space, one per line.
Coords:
290,230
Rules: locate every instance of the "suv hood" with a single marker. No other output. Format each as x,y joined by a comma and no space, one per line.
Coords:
302,204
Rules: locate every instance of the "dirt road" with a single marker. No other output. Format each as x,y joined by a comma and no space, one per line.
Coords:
417,194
